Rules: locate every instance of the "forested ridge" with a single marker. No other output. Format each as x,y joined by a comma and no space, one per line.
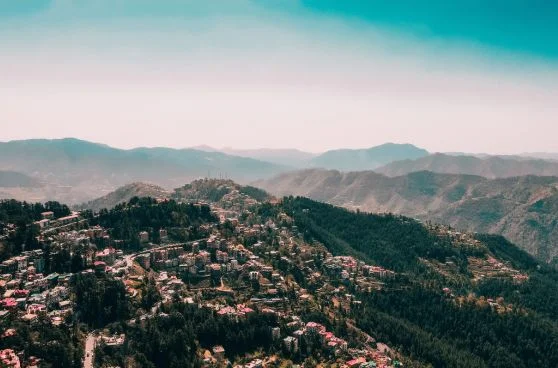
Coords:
428,324
390,240
126,220
453,300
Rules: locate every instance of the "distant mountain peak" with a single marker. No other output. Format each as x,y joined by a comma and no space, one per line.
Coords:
367,158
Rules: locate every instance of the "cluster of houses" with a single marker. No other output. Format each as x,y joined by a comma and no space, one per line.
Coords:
237,312
49,224
169,286
314,330
259,270
212,259
256,363
481,268
346,267
10,359
49,297
29,262
491,267
374,360
366,277
28,293
112,340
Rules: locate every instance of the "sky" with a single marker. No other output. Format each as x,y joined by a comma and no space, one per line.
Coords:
458,76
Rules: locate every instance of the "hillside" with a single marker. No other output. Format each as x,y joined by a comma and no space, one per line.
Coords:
414,194
366,159
522,208
75,171
13,179
489,166
396,242
124,194
494,292
20,186
353,288
226,193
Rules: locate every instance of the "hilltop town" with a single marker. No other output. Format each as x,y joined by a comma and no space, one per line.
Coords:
240,267
237,259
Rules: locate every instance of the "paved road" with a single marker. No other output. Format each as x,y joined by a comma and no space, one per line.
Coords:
89,351
129,259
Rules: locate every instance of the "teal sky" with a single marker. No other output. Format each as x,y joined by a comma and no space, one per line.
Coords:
249,73
523,26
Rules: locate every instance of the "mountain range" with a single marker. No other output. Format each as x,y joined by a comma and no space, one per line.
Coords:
75,171
367,159
521,208
339,159
287,157
487,166
510,195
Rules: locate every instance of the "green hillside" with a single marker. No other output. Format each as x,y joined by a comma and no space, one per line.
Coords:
457,300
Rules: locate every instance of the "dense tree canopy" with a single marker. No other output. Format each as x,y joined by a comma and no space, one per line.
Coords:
100,300
22,215
126,220
171,339
392,241
413,314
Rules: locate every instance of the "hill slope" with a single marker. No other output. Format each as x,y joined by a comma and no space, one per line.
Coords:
489,167
521,208
451,292
226,193
124,194
75,170
14,179
366,159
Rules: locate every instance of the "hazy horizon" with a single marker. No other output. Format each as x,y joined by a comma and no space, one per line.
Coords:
310,75
229,149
